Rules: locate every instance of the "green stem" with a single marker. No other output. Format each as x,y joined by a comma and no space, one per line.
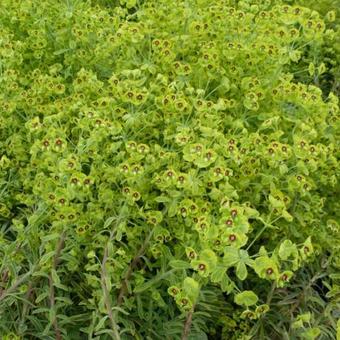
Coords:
131,268
106,293
187,325
16,284
266,225
55,263
258,234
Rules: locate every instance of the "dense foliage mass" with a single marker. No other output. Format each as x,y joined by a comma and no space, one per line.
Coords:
169,170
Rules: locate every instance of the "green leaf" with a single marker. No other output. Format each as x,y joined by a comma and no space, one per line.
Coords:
191,288
147,285
210,257
241,271
41,273
306,317
311,69
172,209
178,264
283,169
64,299
311,334
46,257
297,324
217,274
62,286
287,249
275,203
246,298
288,217
121,310
62,51
322,68
101,323
244,257
50,237
41,310
231,256
251,213
162,199
225,83
226,284
262,309
42,296
108,222
131,3
55,277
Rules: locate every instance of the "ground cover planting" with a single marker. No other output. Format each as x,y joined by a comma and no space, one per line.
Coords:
169,170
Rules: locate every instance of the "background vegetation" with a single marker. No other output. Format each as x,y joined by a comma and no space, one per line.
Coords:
169,170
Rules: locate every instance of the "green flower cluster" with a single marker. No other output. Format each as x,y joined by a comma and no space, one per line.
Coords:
157,158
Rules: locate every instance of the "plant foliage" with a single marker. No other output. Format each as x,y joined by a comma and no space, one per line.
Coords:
169,170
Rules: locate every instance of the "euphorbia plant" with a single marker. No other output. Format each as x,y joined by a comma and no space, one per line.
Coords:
165,168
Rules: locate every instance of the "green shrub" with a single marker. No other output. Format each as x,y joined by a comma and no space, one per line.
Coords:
168,170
